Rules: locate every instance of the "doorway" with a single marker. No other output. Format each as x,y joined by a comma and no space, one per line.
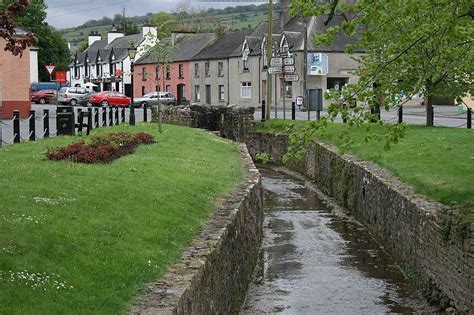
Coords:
180,97
208,94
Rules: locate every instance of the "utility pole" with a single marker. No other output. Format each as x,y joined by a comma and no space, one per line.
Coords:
269,58
305,67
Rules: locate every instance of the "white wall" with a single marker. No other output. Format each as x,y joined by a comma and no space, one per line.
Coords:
34,65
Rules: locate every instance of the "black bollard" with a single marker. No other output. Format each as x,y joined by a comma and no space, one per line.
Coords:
96,117
46,123
400,114
469,118
89,121
16,126
104,116
32,126
123,114
263,111
111,116
145,114
117,122
80,120
293,110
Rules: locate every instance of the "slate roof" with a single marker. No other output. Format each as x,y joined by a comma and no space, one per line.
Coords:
191,45
147,58
253,43
223,47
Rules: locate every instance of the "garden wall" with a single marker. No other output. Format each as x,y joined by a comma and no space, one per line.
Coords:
419,233
213,274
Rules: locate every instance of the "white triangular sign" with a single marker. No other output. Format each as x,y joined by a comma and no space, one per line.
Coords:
50,68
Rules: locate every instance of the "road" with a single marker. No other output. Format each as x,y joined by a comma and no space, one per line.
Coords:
444,116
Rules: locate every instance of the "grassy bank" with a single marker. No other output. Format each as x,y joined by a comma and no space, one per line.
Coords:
78,238
437,162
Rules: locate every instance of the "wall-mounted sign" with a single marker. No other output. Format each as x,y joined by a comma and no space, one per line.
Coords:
318,64
276,62
299,100
275,70
289,69
292,77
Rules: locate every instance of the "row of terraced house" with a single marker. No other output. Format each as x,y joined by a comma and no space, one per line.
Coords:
219,69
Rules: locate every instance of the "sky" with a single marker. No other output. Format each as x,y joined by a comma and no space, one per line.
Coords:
69,13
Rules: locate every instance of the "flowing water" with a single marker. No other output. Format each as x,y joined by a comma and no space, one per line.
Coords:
318,261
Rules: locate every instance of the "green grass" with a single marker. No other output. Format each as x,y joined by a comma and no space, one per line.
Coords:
104,230
437,162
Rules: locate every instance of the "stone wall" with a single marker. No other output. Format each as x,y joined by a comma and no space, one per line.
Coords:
231,121
212,276
417,232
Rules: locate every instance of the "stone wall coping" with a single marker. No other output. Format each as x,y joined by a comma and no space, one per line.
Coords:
163,295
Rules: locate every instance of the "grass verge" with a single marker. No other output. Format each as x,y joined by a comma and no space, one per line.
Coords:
85,238
437,162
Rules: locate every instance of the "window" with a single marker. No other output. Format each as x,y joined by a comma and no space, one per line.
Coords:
158,72
144,74
336,83
168,72
196,70
221,92
246,64
286,89
207,69
246,90
181,70
168,88
220,69
197,93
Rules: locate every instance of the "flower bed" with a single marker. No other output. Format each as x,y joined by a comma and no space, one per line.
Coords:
101,149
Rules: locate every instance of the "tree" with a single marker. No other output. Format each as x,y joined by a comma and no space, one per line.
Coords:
15,44
166,22
83,46
52,48
412,47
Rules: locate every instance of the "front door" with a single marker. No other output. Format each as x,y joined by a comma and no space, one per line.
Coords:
208,94
180,98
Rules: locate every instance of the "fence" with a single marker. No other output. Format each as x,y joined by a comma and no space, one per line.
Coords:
42,123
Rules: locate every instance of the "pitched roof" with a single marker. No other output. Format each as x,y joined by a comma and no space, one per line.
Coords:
124,41
223,47
252,43
192,45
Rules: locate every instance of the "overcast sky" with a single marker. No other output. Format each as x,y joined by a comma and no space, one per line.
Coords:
68,13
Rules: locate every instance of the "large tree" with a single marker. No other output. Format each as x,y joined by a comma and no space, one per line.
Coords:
52,48
412,47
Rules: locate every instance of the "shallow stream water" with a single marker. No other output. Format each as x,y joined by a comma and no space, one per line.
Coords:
317,260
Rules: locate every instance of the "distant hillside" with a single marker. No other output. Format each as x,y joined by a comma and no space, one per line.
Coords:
234,18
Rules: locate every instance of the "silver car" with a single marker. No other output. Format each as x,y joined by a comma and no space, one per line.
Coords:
153,98
72,95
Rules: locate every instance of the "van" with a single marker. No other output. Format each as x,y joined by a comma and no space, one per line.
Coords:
39,86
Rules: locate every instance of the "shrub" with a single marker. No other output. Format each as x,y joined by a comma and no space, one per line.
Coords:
102,148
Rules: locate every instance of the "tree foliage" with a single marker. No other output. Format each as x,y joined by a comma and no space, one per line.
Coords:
166,23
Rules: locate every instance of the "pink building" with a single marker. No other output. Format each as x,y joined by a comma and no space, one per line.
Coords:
150,76
14,82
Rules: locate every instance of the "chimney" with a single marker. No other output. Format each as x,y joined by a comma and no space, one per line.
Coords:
113,34
93,37
284,13
149,28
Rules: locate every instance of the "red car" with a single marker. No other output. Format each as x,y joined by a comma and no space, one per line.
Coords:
43,96
107,98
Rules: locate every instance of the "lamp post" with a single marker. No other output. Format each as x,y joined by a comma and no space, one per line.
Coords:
132,52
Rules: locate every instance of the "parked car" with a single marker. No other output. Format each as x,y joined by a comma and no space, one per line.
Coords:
39,86
43,96
107,98
86,99
154,98
72,95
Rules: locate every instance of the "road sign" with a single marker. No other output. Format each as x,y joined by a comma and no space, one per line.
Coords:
277,62
292,77
61,77
289,61
289,69
50,68
274,70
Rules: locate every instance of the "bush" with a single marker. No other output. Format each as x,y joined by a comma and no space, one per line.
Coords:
102,149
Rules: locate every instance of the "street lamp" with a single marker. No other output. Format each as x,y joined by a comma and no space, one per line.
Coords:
132,52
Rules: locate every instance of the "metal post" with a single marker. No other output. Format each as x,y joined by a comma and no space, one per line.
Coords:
269,59
160,117
132,108
111,116
145,114
80,120
305,67
16,126
276,109
96,117
284,96
89,121
293,110
123,114
469,118
46,123
263,111
104,116
116,120
32,126
400,114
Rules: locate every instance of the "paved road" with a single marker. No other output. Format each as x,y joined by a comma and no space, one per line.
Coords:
6,126
445,116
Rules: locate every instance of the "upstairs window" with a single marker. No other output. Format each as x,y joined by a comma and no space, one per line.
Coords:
196,70
207,69
181,71
220,69
168,72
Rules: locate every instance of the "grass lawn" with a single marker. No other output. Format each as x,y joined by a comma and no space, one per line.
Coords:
77,238
437,162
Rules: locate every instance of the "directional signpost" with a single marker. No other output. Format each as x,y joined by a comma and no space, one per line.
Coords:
289,61
289,69
292,77
277,62
275,70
